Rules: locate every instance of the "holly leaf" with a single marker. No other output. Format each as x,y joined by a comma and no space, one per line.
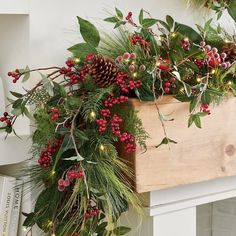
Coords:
170,21
165,141
188,32
81,50
141,17
29,221
148,22
89,32
119,13
113,19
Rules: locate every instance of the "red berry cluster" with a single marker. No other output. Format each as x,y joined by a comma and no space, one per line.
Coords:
70,63
185,44
129,141
74,77
205,108
102,123
214,59
92,212
126,56
169,83
46,155
15,74
54,113
70,176
89,57
129,16
111,100
199,63
125,84
164,64
114,121
137,39
7,119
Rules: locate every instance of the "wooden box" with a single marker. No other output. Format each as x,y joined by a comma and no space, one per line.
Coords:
200,155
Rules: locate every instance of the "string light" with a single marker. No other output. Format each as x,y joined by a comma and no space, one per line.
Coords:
182,90
53,234
173,34
158,63
213,71
92,114
77,60
199,80
230,83
102,147
53,172
135,74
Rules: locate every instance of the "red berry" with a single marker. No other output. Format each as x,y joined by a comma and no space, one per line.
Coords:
166,89
55,110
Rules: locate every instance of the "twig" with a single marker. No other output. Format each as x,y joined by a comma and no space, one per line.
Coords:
158,111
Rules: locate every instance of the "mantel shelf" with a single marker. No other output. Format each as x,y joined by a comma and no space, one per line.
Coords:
13,149
13,7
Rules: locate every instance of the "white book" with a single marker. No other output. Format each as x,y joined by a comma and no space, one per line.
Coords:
7,185
15,213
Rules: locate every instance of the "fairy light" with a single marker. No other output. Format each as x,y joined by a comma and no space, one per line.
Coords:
173,34
92,114
227,41
199,80
102,147
53,234
134,75
213,71
53,172
230,82
182,90
158,63
77,60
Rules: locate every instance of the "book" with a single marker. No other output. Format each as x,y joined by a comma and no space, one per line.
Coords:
7,185
15,213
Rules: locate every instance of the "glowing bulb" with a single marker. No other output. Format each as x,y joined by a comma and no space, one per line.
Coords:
53,172
135,74
199,80
213,71
53,234
230,83
182,90
102,147
77,60
158,63
92,114
227,41
50,223
173,34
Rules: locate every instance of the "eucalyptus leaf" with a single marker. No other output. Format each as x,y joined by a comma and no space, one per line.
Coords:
148,22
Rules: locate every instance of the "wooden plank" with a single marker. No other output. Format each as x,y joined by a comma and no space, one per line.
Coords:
200,155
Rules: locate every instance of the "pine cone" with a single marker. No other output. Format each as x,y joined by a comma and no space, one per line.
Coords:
230,50
103,71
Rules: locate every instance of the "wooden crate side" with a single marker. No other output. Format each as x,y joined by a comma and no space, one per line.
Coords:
200,155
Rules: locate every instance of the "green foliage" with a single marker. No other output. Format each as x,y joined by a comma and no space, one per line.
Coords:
89,32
